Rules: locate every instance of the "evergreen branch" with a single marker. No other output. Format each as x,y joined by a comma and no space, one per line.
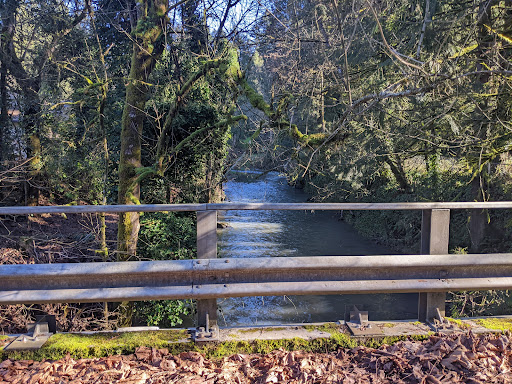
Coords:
397,55
178,102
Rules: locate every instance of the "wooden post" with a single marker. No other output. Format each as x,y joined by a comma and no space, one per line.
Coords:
206,249
435,234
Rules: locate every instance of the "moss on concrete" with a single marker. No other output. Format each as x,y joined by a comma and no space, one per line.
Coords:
327,327
259,330
102,344
496,323
458,322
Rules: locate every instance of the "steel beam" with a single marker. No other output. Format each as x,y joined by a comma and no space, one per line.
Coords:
211,291
206,249
361,206
57,209
253,206
214,278
435,234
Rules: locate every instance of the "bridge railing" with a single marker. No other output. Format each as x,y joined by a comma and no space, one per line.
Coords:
431,274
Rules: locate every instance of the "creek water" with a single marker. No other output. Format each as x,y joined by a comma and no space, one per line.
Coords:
294,233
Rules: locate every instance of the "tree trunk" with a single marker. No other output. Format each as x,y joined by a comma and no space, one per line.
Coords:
147,48
479,188
129,189
399,173
322,103
30,124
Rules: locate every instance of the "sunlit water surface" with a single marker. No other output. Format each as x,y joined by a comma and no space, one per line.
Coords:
294,233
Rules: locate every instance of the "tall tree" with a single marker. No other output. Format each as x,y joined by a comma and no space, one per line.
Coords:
150,18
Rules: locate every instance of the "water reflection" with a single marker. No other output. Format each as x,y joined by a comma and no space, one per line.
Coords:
294,233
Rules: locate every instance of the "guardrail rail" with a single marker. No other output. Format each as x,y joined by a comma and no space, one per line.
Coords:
432,273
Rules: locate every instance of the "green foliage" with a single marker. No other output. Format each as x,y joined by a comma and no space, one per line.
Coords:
167,236
162,313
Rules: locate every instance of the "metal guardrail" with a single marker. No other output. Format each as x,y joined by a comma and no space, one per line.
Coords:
218,278
253,206
208,278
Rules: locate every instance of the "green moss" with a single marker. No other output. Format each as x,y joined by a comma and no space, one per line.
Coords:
327,327
220,350
99,345
389,325
457,322
231,65
255,98
259,330
102,344
296,134
316,139
496,323
342,340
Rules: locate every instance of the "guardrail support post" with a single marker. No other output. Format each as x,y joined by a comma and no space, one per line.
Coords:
435,234
206,249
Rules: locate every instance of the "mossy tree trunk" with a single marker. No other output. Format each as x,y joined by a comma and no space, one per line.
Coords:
147,48
32,129
479,188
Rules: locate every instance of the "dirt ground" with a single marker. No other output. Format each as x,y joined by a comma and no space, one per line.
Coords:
40,239
461,358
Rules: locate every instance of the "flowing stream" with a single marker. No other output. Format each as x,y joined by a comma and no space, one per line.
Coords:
294,233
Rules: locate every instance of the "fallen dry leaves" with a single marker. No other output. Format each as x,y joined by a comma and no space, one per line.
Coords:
462,358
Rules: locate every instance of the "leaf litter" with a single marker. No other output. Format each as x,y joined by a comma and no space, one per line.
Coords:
458,358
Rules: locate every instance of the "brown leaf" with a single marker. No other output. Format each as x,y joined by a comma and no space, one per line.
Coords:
429,379
6,363
143,353
193,356
168,365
